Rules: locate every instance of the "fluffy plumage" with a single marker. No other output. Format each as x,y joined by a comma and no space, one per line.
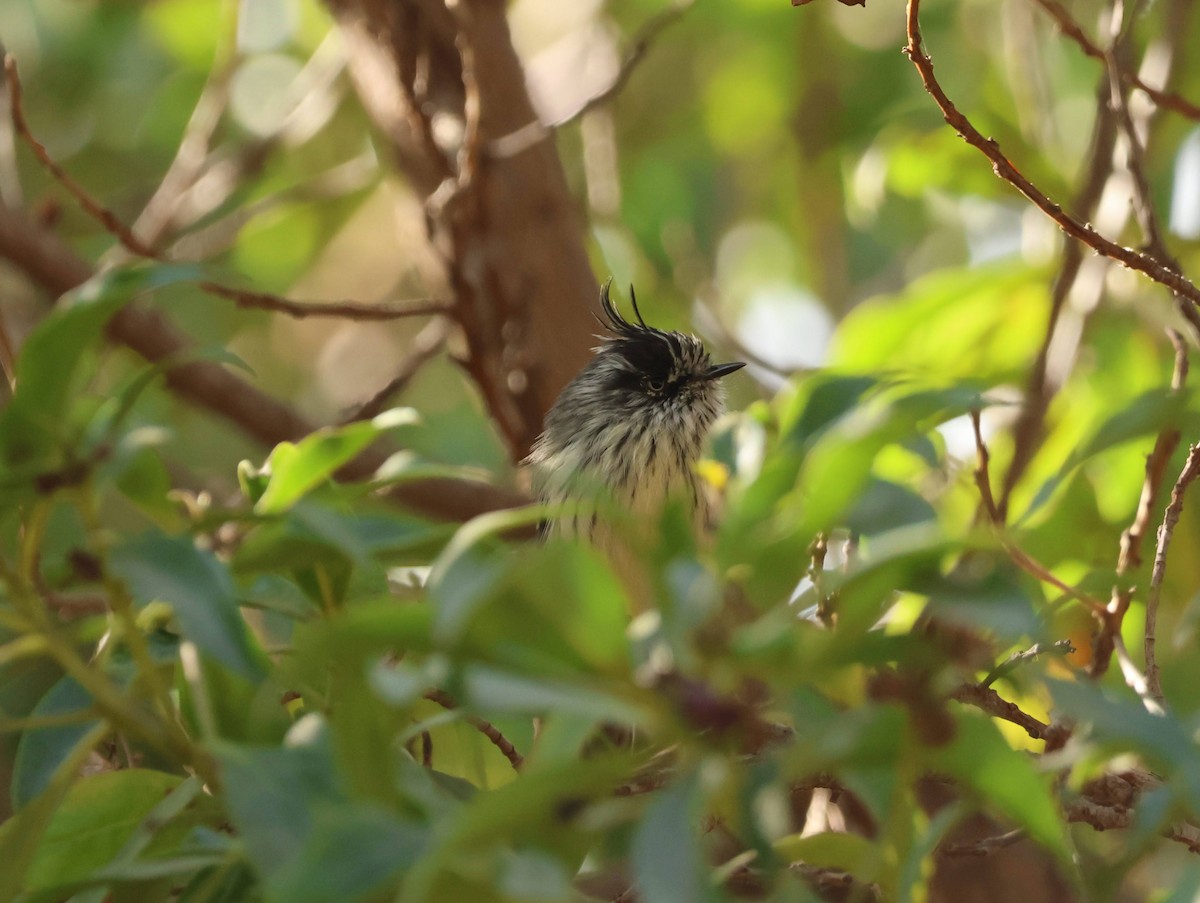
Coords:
628,430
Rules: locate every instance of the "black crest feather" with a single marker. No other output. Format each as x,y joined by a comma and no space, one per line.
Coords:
612,319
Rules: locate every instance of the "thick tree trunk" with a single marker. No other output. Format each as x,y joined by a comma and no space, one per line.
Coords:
445,87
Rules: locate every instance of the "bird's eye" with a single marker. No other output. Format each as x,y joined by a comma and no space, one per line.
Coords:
655,385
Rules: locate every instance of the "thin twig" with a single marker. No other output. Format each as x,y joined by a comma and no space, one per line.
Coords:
316,90
1043,382
1132,539
642,42
52,264
1059,647
984,847
470,153
420,123
1004,168
1142,199
425,346
826,609
1134,677
1021,558
446,701
534,132
1100,817
349,310
188,163
99,212
988,700
193,242
708,320
1135,165
1069,27
8,357
10,175
982,480
1191,470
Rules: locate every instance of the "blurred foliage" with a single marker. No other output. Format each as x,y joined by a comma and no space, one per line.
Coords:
244,716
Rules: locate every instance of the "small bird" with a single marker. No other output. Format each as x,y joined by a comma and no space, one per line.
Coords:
625,435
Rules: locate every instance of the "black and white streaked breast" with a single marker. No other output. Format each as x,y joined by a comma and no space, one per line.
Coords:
630,427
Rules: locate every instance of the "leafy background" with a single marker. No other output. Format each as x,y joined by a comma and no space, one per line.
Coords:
214,677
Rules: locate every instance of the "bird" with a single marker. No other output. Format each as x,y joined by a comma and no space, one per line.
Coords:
623,438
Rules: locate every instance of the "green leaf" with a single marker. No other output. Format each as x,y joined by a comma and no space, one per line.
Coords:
354,850
525,624
533,876
200,592
884,505
296,469
41,751
960,322
310,533
308,839
901,558
1146,415
990,597
49,365
271,793
668,865
850,853
827,399
22,837
534,808
1125,725
1005,779
490,689
464,574
96,820
838,467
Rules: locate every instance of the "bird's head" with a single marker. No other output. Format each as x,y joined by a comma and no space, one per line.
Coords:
640,367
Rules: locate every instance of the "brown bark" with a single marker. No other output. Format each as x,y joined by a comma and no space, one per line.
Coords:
505,225
52,264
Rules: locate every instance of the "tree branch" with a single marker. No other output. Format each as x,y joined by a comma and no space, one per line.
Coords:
995,518
988,700
346,310
1004,168
1068,26
54,266
536,131
502,743
1191,470
509,234
1130,557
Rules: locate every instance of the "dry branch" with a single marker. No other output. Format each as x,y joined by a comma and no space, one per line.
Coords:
346,310
1068,26
50,263
988,700
1130,558
1006,170
536,131
350,310
425,344
995,518
1191,470
489,730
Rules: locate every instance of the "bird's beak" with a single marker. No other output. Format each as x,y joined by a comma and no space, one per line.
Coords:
723,370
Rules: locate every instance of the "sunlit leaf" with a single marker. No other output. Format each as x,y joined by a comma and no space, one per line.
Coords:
297,469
